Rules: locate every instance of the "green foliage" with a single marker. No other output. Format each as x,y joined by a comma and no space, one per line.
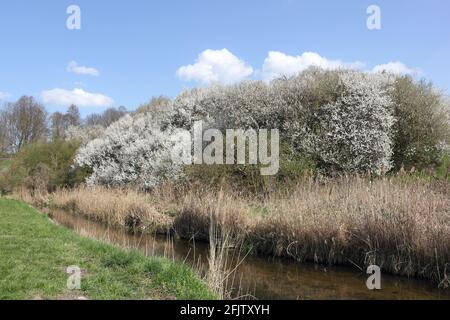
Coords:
43,167
443,170
422,124
293,167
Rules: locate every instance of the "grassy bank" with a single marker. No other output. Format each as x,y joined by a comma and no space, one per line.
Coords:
34,255
400,224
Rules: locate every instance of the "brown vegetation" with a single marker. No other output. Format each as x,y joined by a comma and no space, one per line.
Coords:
404,227
118,208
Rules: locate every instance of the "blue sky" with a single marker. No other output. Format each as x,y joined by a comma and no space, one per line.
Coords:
137,46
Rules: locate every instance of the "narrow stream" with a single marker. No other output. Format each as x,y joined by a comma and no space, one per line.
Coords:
262,278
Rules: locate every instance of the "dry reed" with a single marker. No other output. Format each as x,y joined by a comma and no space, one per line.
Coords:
404,227
115,207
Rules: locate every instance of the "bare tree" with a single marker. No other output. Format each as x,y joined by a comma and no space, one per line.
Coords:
4,137
107,118
72,116
155,104
58,125
25,122
111,115
94,119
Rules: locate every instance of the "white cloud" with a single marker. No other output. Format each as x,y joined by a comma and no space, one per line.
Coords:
223,66
78,97
395,67
73,67
280,64
4,95
216,66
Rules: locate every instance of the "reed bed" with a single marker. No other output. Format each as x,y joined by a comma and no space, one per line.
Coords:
115,207
402,226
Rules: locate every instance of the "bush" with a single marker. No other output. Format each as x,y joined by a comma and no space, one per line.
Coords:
344,120
43,167
85,134
443,170
422,126
134,150
294,166
333,121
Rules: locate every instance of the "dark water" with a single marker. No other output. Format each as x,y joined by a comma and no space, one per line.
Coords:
262,278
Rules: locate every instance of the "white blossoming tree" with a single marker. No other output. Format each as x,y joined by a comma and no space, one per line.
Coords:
353,133
84,134
342,119
133,150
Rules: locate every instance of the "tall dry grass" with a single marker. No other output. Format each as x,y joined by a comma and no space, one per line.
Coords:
222,260
402,226
115,207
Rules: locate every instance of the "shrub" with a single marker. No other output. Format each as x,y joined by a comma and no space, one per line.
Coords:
43,167
443,170
134,150
422,124
333,121
294,166
353,132
343,119
84,135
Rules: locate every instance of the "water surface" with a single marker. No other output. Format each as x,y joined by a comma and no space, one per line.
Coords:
261,278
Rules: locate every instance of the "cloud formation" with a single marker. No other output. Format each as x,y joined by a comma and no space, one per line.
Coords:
73,67
216,66
224,67
279,64
78,97
395,67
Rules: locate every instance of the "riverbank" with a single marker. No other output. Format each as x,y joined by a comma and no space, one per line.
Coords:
402,225
35,253
259,277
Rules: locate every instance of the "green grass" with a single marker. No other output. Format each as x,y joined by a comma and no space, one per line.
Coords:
34,255
442,170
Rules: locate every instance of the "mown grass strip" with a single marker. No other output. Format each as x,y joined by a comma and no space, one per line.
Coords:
34,255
